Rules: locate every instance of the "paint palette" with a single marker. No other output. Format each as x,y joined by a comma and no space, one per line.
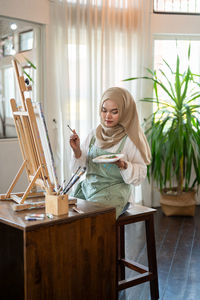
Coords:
107,158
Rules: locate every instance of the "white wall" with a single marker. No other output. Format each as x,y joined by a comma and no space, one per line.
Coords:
10,154
30,10
173,24
10,163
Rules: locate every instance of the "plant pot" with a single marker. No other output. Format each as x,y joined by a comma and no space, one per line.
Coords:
174,204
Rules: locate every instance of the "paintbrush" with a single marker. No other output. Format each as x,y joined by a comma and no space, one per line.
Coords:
70,128
75,178
61,187
71,179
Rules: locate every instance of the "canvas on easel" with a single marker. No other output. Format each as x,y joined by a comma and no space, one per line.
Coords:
36,151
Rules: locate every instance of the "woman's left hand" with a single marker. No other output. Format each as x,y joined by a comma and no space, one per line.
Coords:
121,164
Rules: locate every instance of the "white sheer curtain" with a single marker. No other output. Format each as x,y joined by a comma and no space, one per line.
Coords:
93,45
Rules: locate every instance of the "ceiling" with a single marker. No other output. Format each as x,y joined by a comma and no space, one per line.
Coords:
5,29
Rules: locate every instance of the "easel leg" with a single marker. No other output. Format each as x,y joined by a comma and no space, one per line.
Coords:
30,185
15,179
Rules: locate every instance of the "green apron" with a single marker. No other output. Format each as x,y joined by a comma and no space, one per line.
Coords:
103,182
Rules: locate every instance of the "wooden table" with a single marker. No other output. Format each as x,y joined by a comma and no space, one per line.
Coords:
68,257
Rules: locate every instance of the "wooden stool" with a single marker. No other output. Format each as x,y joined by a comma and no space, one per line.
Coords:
137,214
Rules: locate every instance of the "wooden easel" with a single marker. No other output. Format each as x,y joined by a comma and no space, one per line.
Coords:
32,151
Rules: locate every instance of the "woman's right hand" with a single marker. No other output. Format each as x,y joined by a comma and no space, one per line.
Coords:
75,144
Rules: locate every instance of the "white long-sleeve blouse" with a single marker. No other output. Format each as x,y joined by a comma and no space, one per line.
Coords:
136,170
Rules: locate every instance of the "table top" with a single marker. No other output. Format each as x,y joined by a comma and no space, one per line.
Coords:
17,218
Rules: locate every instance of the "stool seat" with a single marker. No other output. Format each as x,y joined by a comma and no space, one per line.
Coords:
137,213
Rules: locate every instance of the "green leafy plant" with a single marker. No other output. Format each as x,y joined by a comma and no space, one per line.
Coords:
29,65
173,129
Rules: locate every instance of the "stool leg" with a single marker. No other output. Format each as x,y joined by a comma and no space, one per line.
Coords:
121,251
151,253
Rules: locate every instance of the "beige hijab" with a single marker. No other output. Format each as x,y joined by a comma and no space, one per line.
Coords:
128,123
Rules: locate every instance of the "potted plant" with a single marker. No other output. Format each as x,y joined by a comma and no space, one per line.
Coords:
173,130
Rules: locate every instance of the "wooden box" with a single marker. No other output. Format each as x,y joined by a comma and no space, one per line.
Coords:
56,204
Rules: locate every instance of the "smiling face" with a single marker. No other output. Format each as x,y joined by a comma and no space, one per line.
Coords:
109,113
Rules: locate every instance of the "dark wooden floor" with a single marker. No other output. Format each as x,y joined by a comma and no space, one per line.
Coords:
178,257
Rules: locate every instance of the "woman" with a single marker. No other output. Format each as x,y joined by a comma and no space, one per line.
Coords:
118,132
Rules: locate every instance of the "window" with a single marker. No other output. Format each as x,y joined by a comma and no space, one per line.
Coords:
119,3
26,40
177,6
167,50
